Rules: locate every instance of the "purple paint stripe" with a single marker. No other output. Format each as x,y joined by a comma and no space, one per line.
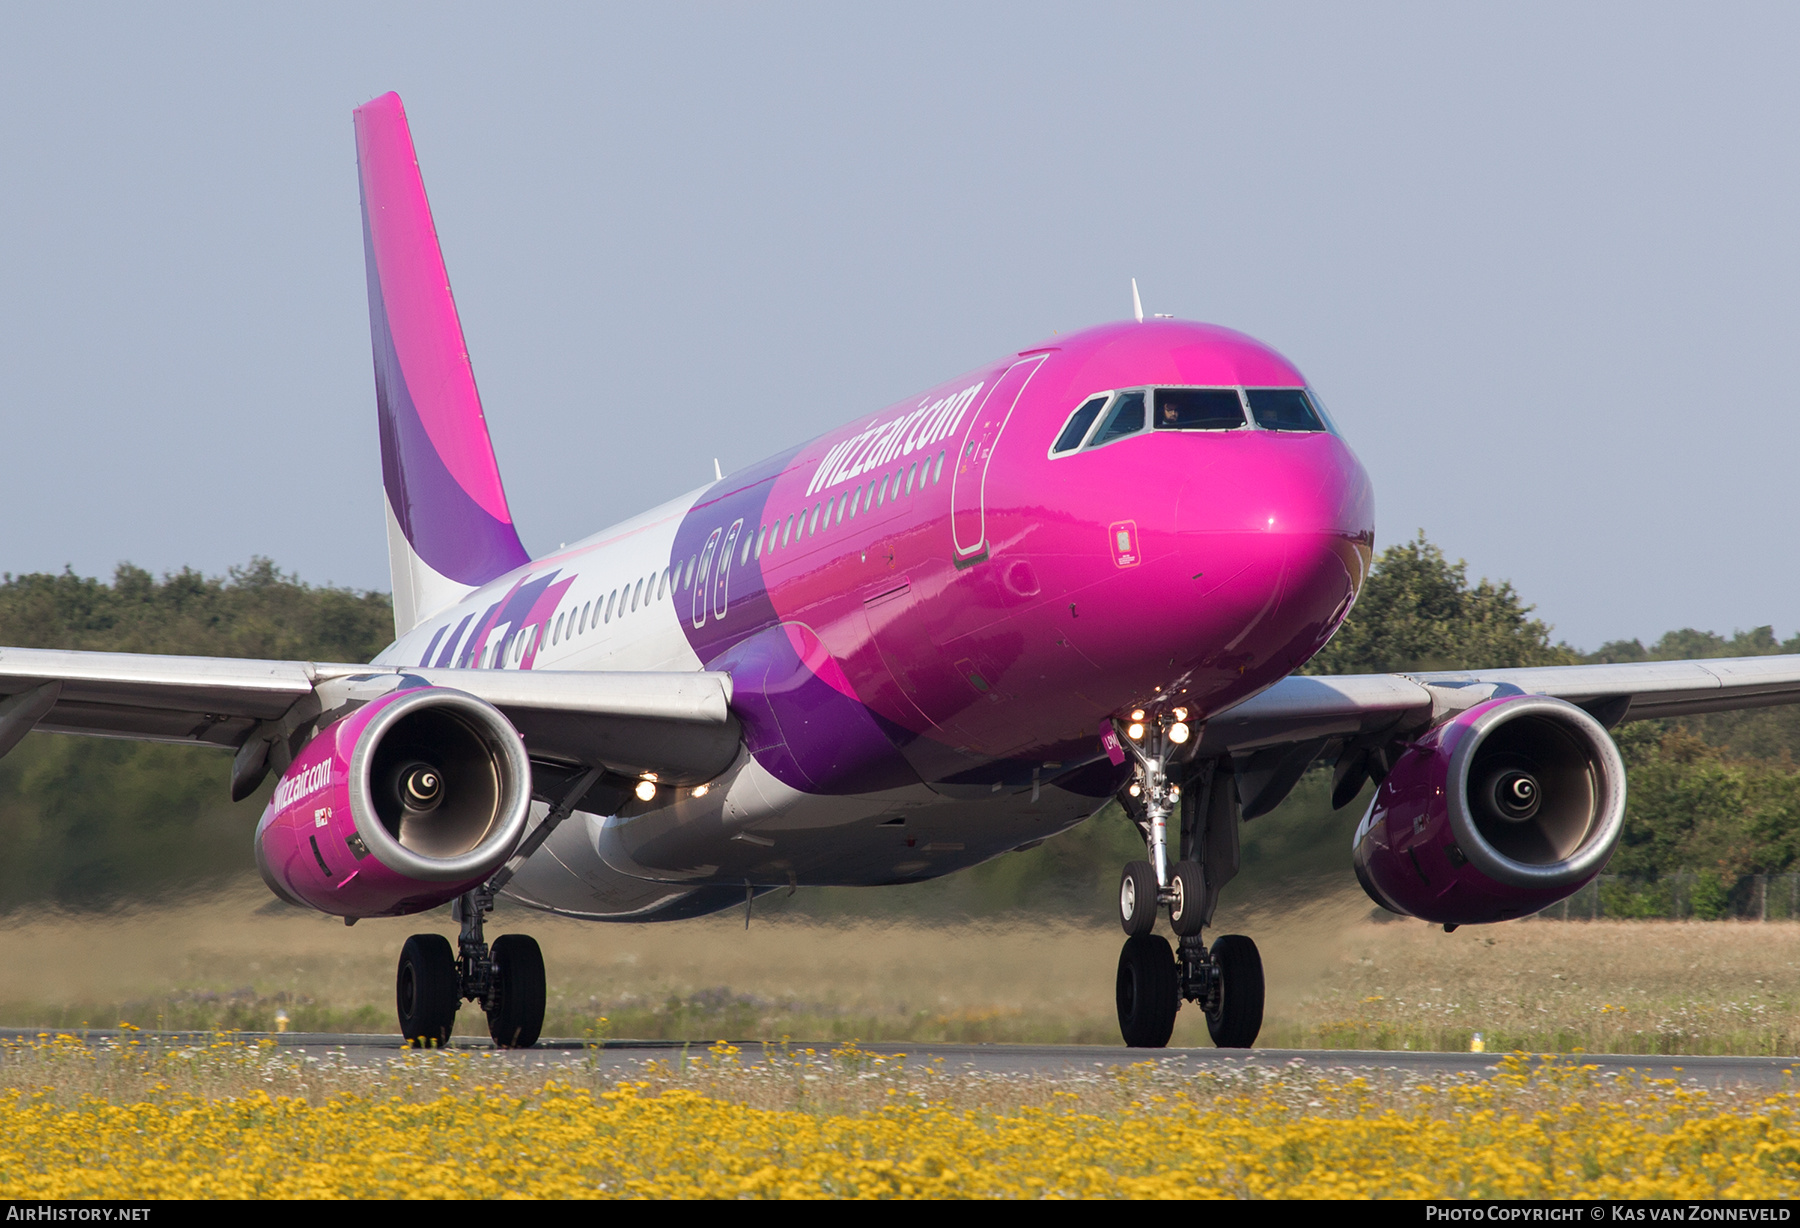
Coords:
447,529
449,652
802,730
430,648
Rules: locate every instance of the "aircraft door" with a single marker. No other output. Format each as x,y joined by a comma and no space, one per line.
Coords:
968,482
705,571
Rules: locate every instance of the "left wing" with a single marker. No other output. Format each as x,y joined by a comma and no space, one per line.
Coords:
1277,734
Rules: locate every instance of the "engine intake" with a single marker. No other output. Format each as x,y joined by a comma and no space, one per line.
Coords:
1499,812
405,803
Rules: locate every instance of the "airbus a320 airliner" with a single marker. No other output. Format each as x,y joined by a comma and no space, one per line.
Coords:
1085,571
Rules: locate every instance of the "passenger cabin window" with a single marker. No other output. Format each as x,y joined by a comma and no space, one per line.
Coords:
1198,409
1283,409
1127,418
1079,422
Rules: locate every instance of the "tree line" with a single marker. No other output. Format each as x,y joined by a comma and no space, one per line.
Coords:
95,823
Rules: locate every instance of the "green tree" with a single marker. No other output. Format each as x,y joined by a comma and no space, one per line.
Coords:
253,611
91,822
1418,612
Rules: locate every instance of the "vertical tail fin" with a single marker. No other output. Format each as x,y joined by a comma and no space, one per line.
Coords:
449,528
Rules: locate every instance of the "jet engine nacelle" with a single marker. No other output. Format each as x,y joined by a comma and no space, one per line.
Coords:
399,807
1497,813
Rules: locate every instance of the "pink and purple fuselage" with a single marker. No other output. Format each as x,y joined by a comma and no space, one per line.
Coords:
926,615
930,597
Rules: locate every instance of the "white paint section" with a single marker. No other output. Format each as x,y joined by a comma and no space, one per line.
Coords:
606,569
419,590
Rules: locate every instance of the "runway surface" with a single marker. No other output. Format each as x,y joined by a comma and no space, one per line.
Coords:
626,1056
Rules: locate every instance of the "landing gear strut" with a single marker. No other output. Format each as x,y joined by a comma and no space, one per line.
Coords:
507,978
1225,980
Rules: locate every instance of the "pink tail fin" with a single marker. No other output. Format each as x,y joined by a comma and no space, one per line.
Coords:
449,528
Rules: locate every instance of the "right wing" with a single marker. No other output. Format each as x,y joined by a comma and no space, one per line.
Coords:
678,725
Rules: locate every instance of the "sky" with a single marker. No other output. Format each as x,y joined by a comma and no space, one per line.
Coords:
1535,258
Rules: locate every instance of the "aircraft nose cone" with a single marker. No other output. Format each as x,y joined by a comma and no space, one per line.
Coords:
1275,540
1280,483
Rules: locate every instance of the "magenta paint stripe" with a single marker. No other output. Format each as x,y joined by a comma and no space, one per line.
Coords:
454,535
422,319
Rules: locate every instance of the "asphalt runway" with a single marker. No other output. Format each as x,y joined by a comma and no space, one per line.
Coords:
627,1056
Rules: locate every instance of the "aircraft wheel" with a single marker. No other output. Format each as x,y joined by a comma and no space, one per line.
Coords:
1235,1014
1137,898
1148,993
517,1015
427,991
1187,887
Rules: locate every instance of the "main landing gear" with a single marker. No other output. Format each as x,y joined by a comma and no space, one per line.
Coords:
1225,980
506,978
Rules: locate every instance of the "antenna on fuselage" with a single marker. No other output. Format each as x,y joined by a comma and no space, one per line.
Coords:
718,473
1137,304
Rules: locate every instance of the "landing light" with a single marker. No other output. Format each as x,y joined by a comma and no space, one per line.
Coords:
702,790
646,789
1134,731
1181,714
1178,733
1135,790
1137,714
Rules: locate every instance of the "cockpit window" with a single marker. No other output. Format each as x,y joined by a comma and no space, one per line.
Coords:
1077,429
1198,409
1127,418
1283,409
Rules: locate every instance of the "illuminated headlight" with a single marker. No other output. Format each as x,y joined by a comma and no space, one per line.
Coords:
702,790
646,789
1137,714
1135,730
1135,790
1178,732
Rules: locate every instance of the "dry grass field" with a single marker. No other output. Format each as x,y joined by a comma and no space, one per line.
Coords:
1337,978
154,1118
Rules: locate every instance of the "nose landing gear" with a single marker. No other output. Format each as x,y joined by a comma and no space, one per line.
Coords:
1225,980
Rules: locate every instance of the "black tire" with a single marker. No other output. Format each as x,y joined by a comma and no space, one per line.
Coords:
516,1017
1147,991
1187,884
1236,1017
1137,898
427,991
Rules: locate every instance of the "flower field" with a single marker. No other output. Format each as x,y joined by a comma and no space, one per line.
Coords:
241,1120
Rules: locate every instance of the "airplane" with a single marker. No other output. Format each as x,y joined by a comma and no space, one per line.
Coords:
1086,571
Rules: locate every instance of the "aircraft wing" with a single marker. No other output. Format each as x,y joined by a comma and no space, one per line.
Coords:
1277,734
676,724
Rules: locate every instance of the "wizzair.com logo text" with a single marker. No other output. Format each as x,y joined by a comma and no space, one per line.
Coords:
308,782
882,442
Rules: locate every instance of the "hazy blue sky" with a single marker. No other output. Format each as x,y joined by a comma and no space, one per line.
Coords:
1540,261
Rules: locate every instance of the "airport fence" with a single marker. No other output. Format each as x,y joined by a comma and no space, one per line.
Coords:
1686,895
